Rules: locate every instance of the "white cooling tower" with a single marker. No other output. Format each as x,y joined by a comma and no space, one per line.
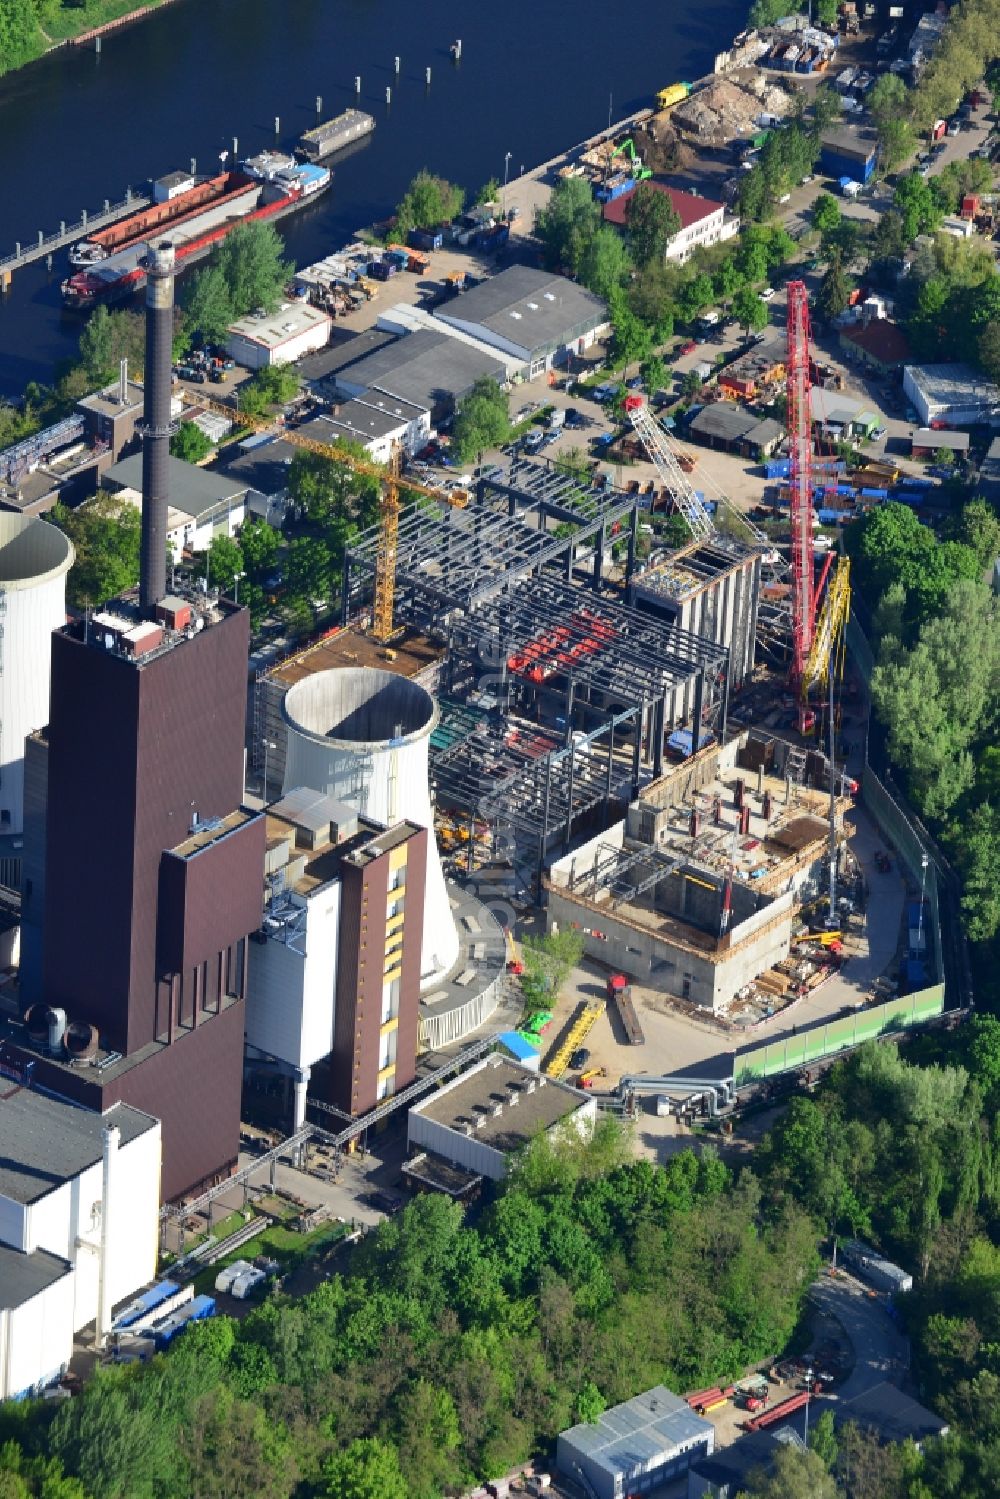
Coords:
362,735
34,560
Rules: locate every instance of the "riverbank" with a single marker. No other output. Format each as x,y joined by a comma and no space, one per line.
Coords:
26,43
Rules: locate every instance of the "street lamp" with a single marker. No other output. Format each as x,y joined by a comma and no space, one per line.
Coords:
924,862
236,586
503,197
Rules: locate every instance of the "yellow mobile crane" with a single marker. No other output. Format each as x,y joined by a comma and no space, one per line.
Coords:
390,479
825,664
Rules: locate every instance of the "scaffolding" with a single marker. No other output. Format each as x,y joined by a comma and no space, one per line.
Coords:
17,460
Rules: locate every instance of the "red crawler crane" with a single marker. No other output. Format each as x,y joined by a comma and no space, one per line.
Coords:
800,436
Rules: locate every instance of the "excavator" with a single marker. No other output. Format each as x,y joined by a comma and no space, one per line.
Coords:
627,148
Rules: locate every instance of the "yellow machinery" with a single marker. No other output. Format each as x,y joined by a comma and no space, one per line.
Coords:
390,476
676,93
583,1022
826,653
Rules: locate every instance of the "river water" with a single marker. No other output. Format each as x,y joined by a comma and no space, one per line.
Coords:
536,76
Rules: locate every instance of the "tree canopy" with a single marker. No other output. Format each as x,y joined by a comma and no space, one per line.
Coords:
105,532
482,420
651,221
427,202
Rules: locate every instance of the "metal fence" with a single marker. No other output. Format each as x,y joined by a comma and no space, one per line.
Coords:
837,1035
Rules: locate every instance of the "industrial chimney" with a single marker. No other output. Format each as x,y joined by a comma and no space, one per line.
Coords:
156,427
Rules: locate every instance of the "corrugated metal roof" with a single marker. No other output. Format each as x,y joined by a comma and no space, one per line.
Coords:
639,1432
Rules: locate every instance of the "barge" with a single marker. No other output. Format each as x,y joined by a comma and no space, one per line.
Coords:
162,217
118,277
334,134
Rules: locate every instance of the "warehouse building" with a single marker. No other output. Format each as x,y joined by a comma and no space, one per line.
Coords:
951,395
635,1446
281,337
335,969
485,1116
79,1211
848,151
426,370
541,319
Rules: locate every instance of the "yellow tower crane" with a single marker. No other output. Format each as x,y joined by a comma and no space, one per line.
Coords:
389,509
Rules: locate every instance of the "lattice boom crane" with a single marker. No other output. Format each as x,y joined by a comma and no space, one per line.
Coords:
799,421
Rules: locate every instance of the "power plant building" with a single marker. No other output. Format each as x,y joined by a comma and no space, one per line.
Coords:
79,1209
362,736
150,872
335,969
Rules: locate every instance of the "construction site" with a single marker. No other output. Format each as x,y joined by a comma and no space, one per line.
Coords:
648,749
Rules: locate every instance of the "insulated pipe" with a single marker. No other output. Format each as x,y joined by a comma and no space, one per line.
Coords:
157,427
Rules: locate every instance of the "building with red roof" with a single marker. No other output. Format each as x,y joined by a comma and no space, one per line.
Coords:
703,221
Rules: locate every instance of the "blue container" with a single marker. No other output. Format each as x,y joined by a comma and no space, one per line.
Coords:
874,494
425,239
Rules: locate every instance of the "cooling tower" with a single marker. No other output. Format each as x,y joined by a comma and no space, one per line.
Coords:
362,735
34,560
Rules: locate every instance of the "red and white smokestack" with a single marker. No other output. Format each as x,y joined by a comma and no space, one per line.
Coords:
157,427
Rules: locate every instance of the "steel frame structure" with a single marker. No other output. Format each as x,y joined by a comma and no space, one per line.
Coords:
454,557
800,435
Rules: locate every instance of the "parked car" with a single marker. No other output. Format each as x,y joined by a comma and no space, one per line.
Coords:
767,294
574,418
580,1057
689,347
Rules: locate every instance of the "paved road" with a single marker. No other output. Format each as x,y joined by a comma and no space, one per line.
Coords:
880,1351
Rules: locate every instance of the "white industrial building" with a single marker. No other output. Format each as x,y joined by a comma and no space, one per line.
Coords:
951,395
361,736
79,1219
635,1446
280,337
203,504
540,319
34,560
484,1116
700,220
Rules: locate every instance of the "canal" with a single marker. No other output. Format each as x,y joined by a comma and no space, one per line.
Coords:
534,78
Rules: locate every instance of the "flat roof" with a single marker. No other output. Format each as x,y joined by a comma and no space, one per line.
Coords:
644,1430
23,1276
426,368
930,437
291,319
895,1416
850,140
723,419
951,382
207,833
343,350
541,1103
192,489
264,468
373,415
413,653
532,309
107,401
47,1142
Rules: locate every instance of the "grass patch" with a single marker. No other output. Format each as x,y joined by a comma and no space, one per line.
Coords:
61,24
279,1242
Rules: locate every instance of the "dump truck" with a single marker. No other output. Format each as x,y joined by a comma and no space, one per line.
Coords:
619,992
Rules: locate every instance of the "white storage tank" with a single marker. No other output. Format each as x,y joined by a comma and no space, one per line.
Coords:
361,735
34,560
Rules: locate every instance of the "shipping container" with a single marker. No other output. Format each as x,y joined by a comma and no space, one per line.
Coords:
426,239
195,1311
147,1302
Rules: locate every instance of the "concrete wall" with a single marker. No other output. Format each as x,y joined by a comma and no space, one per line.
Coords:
652,958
